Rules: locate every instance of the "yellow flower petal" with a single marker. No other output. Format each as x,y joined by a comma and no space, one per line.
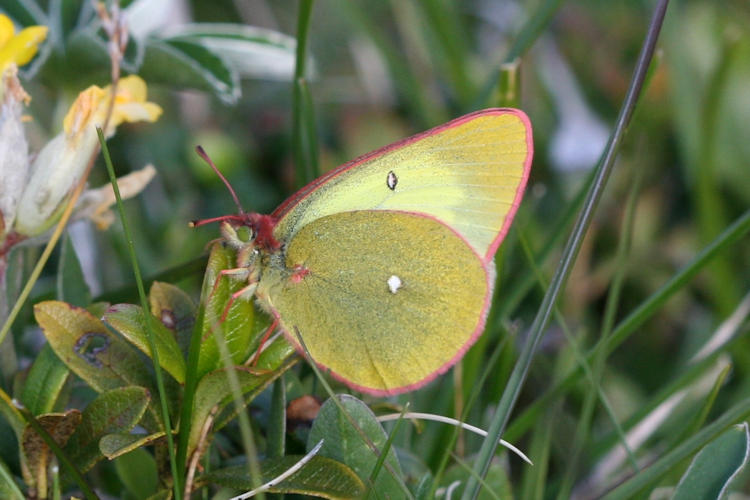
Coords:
84,107
21,48
6,29
90,107
132,88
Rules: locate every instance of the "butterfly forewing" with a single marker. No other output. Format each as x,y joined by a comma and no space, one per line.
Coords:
469,174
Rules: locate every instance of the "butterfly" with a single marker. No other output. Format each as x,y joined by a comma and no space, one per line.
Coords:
384,265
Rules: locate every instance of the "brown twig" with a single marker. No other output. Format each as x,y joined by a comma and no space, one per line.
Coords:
200,447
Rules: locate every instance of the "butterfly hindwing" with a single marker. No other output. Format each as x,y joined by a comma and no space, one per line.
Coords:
388,299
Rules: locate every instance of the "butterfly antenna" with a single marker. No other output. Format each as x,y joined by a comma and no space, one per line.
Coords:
202,153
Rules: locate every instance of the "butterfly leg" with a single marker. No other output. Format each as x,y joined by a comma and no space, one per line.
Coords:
263,340
244,292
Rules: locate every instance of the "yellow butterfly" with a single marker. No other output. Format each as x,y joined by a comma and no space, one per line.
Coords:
385,264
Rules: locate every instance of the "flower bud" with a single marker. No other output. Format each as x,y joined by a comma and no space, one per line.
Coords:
61,163
14,154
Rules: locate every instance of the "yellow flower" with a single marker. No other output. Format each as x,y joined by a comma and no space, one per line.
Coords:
18,48
90,108
60,164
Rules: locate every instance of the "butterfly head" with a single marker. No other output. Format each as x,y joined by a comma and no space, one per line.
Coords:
250,230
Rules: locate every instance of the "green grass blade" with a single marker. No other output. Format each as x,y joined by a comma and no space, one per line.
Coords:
593,380
147,315
489,367
277,420
449,47
569,255
246,432
303,134
645,478
380,462
188,394
707,193
529,34
8,485
595,372
635,319
414,99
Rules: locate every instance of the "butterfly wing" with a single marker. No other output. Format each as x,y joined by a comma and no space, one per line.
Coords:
388,300
469,173
396,251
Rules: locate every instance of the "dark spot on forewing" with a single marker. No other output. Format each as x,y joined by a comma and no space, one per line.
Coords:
391,180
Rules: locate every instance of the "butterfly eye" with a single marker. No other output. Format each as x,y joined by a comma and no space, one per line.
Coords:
245,234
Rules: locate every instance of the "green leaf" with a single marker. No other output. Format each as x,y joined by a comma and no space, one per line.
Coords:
117,410
214,389
254,52
81,341
320,477
347,444
71,285
190,65
45,382
8,487
37,454
86,58
129,321
116,445
714,467
237,327
137,471
276,359
176,311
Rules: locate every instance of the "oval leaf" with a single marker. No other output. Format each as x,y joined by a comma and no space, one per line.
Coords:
129,320
81,341
45,382
254,52
115,445
117,410
320,477
349,444
137,471
175,309
713,468
190,65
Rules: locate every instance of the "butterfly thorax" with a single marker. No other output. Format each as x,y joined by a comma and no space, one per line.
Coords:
260,255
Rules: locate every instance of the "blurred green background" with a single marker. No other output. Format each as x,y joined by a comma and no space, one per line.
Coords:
380,71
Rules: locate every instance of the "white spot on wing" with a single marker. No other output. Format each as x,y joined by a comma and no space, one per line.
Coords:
394,283
391,180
